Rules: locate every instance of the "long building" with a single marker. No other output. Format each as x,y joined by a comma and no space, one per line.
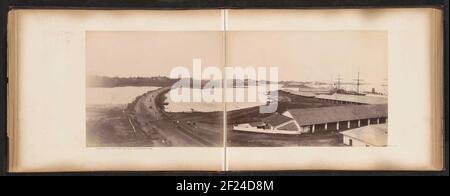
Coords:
311,120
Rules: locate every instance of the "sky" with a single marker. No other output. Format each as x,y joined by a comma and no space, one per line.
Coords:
151,53
299,55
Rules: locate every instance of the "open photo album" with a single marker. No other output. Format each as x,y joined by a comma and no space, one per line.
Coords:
225,90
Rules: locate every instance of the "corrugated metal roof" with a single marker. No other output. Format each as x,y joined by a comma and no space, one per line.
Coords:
276,119
256,124
376,135
309,116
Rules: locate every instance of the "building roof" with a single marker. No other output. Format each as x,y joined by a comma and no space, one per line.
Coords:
276,119
310,116
355,98
256,124
375,135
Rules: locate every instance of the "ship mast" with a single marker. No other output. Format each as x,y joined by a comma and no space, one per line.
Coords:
358,82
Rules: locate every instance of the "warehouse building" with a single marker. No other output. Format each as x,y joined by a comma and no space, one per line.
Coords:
312,120
368,136
275,123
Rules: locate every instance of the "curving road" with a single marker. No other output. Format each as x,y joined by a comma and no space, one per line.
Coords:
150,119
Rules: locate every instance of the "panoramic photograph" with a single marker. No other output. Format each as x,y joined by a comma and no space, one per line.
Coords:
166,89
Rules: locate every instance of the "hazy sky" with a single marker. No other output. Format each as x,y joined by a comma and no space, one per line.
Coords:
305,55
300,55
150,53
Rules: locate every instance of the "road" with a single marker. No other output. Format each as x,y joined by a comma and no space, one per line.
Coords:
152,120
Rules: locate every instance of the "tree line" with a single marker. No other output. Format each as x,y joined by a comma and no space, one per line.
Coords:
106,81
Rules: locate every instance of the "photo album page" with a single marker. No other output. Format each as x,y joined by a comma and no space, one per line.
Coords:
225,90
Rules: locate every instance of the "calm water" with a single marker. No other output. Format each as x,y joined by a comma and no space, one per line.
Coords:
125,95
116,95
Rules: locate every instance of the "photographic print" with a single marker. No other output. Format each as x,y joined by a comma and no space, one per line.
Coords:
328,89
323,88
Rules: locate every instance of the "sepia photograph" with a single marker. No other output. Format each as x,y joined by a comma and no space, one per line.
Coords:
328,88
